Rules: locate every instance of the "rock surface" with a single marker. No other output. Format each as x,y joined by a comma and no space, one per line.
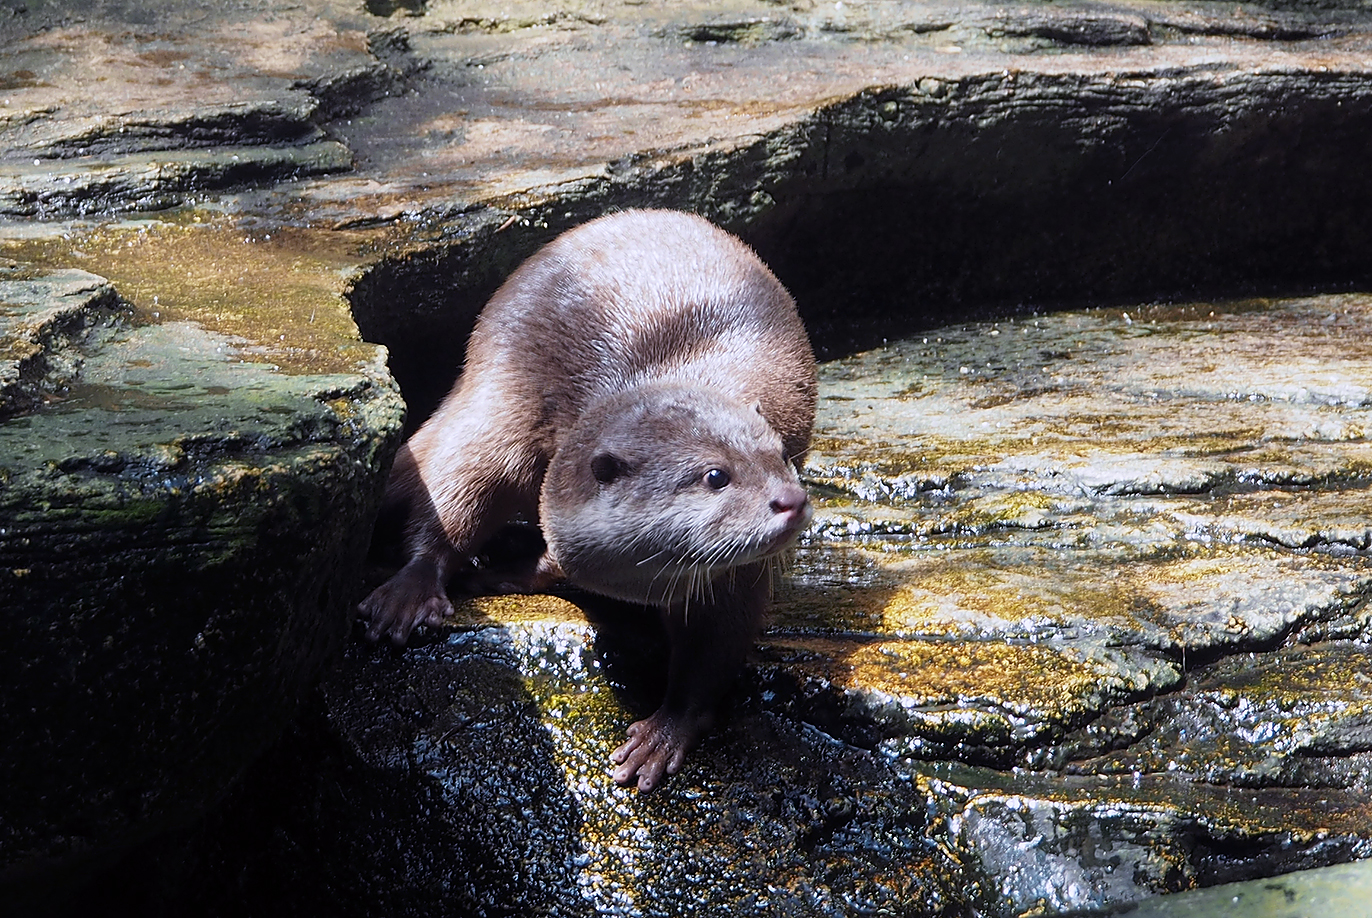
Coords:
1084,616
1038,653
180,524
1342,890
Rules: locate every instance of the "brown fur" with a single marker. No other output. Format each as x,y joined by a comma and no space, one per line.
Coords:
605,380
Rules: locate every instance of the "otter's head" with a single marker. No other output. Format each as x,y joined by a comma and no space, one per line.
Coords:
659,490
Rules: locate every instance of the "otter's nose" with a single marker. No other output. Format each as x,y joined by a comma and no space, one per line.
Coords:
791,499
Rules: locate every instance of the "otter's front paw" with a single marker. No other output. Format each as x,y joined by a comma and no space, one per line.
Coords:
656,746
414,596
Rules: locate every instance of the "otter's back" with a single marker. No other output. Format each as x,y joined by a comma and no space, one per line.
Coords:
648,295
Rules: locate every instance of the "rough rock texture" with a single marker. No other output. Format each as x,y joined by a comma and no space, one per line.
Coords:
116,106
185,498
180,525
44,317
1084,616
1342,890
875,153
1041,652
1078,494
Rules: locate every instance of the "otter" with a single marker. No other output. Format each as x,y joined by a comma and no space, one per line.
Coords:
643,387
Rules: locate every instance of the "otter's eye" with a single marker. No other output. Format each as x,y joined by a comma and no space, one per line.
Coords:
716,479
606,467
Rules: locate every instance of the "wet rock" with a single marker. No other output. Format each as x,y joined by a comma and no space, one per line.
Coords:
1342,890
44,320
1096,696
1001,693
1080,619
1297,717
1193,682
180,524
511,716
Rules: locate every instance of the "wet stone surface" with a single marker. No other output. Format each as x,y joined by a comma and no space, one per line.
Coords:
1083,615
805,828
39,318
1043,649
1342,890
180,524
1059,525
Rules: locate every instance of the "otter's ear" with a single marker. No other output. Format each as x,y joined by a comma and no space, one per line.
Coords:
757,406
606,467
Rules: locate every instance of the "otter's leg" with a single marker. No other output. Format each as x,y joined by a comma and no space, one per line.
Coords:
416,595
456,499
709,641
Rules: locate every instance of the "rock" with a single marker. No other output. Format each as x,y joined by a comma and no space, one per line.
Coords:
200,104
769,816
180,525
1341,890
1080,620
44,318
155,180
1194,681
1096,697
1020,688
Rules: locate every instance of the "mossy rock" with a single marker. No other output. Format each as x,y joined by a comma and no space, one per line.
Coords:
181,523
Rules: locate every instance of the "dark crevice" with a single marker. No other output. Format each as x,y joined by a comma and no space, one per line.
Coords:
1227,860
903,212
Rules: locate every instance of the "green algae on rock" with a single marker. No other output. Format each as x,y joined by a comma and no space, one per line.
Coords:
180,525
42,320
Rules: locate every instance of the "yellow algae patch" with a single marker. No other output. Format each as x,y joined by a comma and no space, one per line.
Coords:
281,288
1020,676
1005,510
516,609
977,591
1193,570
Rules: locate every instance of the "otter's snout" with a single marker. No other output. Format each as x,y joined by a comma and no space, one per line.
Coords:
792,503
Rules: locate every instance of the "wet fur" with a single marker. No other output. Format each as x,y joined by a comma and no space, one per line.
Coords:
605,378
